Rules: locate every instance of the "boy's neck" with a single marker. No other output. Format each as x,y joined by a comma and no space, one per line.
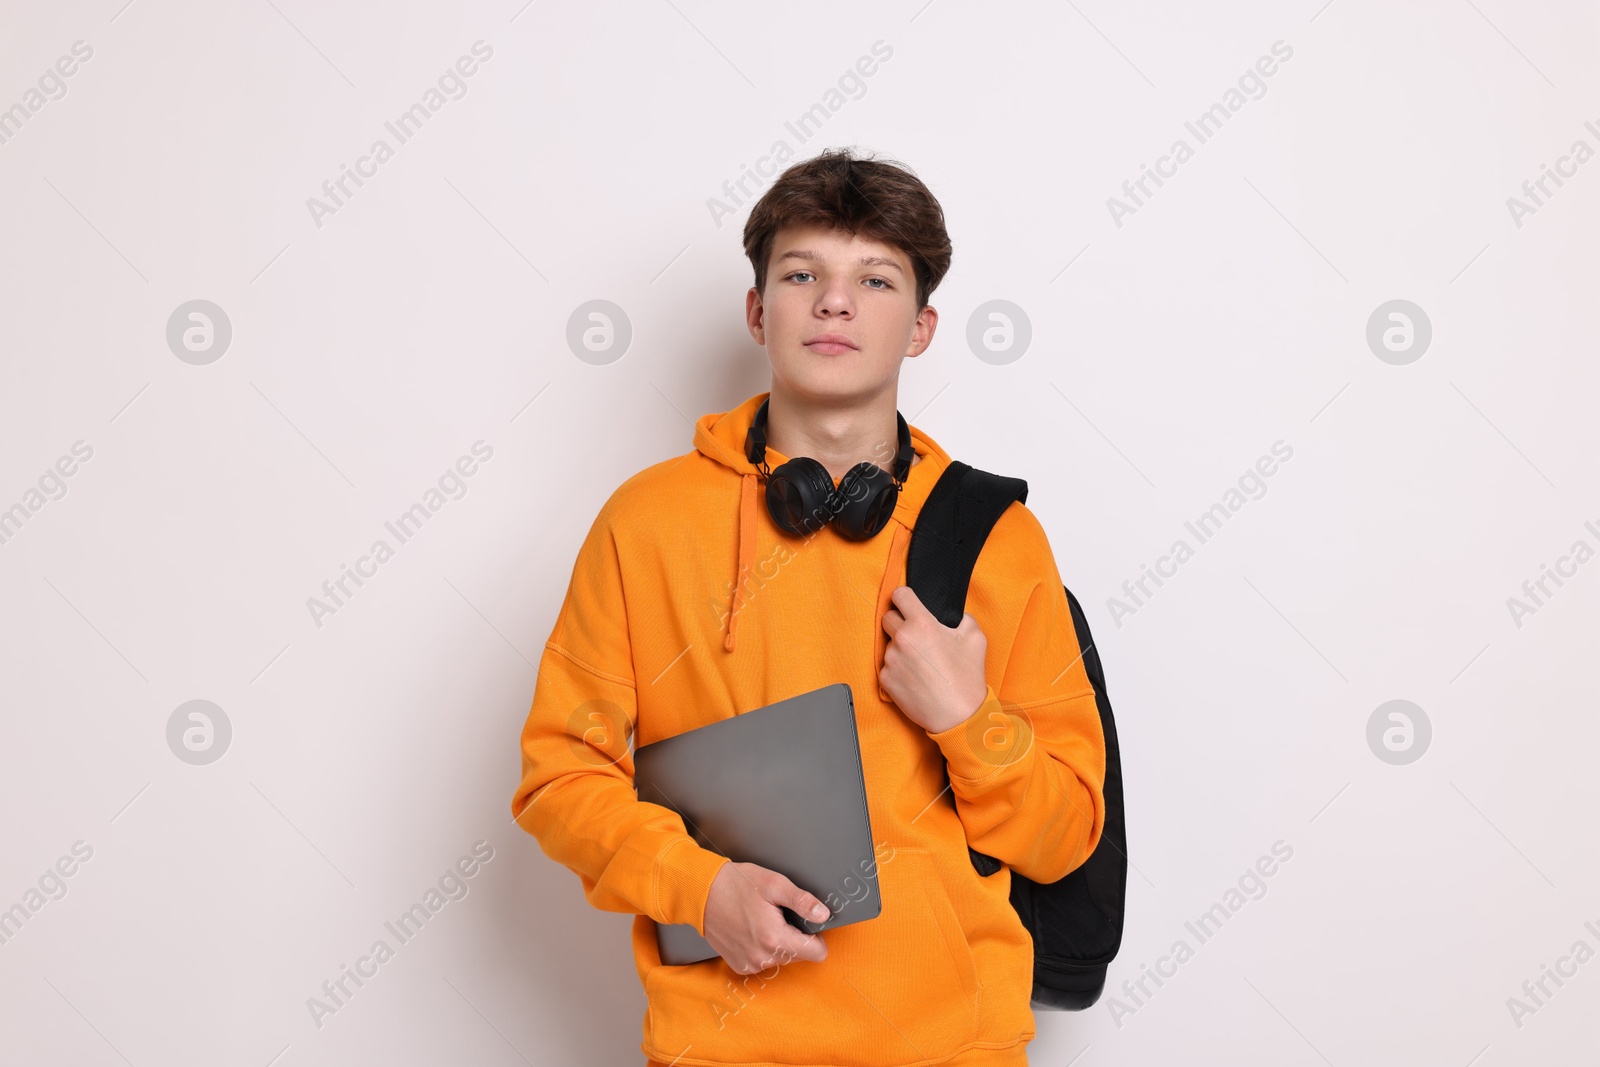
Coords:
836,434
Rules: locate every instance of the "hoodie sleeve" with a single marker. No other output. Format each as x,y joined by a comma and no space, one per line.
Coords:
1028,767
576,796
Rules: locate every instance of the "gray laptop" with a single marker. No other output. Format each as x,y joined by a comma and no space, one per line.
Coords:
779,786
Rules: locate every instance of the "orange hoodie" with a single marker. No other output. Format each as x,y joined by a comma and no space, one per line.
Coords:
688,605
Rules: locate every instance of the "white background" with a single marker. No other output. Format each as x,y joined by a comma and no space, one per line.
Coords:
430,312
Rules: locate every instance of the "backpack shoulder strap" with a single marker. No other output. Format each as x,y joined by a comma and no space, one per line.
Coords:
950,531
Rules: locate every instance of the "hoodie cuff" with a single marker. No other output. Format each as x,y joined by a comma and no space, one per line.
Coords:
986,743
683,882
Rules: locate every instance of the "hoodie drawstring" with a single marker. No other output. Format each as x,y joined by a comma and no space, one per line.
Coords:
747,549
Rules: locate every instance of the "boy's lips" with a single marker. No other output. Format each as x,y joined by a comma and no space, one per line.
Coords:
832,344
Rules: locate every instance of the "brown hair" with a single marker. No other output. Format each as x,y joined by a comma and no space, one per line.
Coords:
882,200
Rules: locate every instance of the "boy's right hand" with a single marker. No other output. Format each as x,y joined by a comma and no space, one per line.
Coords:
746,928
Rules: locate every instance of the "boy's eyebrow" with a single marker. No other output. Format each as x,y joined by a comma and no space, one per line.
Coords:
865,261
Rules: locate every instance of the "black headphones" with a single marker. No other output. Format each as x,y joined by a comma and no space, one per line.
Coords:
802,499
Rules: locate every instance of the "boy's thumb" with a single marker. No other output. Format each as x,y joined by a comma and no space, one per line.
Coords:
802,903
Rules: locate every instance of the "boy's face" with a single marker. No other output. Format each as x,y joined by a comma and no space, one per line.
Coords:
825,283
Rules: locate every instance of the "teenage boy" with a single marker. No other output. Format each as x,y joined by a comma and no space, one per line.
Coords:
689,604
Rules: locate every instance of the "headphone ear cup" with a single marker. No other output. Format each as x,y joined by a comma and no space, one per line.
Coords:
800,496
866,498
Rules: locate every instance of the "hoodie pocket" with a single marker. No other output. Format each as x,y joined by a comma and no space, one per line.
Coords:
899,988
944,914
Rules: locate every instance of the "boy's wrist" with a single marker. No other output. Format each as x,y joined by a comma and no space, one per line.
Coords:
985,742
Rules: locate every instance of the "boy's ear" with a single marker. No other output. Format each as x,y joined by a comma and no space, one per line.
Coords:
755,316
922,332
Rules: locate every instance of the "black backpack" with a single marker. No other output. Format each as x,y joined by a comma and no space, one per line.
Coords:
1076,922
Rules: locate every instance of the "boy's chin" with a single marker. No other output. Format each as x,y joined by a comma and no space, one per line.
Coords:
847,374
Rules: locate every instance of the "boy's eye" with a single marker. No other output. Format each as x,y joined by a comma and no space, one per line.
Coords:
805,275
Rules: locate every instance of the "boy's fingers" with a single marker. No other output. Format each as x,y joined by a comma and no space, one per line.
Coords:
905,598
799,946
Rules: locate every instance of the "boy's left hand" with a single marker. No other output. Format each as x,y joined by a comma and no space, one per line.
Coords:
932,672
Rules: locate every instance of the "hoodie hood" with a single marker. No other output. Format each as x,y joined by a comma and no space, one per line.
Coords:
720,437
